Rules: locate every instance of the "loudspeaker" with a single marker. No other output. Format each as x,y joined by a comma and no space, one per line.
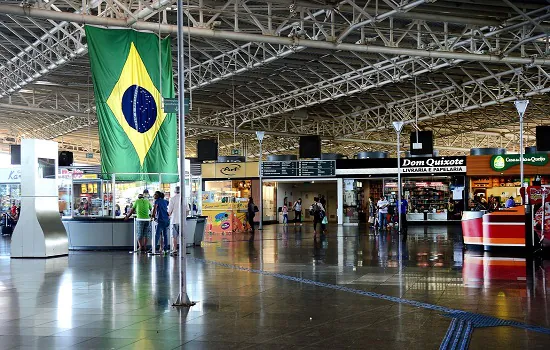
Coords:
15,152
65,158
207,150
543,138
424,144
310,146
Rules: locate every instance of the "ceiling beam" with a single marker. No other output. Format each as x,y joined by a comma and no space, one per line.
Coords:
249,37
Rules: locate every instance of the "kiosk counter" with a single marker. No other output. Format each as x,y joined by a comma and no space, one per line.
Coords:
505,228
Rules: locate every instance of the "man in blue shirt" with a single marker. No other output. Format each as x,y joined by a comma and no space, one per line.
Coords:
403,206
510,203
160,215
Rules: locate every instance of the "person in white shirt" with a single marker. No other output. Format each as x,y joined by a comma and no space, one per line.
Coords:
298,211
175,218
383,212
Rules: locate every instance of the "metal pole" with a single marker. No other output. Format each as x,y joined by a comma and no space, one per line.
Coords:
398,126
399,179
183,299
261,191
113,194
521,148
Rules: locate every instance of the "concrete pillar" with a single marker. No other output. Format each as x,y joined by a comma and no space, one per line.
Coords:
39,232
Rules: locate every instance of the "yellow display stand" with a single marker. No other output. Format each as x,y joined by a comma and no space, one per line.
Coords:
225,218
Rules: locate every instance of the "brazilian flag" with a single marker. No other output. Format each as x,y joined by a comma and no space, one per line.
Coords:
135,134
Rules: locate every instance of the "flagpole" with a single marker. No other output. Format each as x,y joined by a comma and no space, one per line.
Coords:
183,298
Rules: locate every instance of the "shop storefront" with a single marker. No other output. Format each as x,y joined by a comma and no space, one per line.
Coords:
226,190
10,188
92,205
434,187
497,177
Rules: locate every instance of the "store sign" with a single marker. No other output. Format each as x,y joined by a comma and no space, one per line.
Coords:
228,170
536,193
433,165
10,175
503,162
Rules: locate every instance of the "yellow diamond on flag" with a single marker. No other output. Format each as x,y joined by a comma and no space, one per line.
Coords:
136,103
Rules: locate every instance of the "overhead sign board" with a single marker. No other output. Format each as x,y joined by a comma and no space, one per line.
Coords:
170,105
283,169
503,162
306,168
433,165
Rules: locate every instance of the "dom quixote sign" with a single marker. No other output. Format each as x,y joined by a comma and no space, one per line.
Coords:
433,165
503,162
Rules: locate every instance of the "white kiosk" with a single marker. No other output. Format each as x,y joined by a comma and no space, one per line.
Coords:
39,232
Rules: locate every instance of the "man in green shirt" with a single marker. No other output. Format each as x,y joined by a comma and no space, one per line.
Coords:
141,207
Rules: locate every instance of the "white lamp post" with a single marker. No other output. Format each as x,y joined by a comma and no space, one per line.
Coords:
398,126
260,137
183,298
521,106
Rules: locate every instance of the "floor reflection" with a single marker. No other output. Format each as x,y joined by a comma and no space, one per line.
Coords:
116,300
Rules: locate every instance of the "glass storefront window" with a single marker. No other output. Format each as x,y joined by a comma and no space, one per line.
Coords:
9,194
270,201
353,199
65,195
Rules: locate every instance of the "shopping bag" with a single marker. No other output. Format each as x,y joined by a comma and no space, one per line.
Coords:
325,220
371,220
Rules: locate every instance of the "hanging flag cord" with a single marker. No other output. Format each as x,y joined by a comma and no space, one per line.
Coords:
189,56
416,106
160,62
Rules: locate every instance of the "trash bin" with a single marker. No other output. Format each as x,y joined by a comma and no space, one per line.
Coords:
199,230
190,225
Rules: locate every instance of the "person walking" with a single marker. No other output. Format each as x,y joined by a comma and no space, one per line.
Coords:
160,215
372,212
141,207
383,205
175,219
250,213
318,212
285,214
298,211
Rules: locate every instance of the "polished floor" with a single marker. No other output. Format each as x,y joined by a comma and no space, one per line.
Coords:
283,289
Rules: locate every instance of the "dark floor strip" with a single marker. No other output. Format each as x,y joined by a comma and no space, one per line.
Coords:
463,315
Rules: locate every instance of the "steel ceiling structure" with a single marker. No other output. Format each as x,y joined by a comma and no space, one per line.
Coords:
342,69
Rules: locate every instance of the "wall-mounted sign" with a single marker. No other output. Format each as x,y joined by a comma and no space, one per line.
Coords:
10,175
296,168
433,165
503,162
229,170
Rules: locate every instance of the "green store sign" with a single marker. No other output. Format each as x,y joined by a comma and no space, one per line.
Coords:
503,162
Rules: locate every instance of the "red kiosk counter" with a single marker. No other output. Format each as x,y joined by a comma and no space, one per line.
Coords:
500,228
506,227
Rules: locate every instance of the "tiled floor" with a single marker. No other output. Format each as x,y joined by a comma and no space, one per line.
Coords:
112,300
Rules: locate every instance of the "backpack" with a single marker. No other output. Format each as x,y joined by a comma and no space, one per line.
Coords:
316,211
